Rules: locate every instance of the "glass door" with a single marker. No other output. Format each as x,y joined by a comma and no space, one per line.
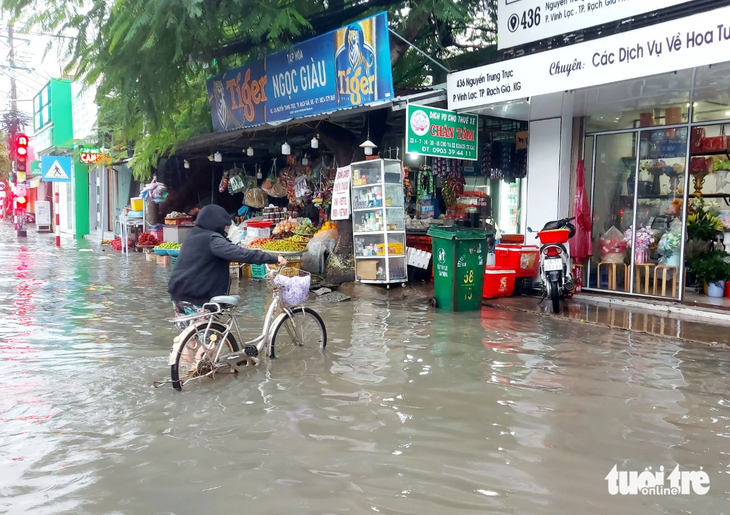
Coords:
613,183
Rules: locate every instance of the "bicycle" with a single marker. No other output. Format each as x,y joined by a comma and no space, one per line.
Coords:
198,351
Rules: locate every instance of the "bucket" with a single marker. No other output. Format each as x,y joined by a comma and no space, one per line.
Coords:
716,290
673,259
137,203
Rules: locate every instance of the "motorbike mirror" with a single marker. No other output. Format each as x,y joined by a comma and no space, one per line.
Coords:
529,229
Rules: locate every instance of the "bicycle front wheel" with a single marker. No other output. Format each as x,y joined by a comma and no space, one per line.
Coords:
194,360
298,335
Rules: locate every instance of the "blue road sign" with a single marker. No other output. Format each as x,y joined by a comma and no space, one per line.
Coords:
56,169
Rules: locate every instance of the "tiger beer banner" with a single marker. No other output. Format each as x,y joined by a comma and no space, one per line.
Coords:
345,68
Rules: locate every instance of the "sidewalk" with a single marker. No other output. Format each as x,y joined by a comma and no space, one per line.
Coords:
673,320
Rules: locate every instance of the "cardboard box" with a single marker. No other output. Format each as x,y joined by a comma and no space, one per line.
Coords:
367,269
163,260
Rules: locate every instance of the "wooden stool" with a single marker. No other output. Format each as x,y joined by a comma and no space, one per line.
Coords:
664,269
612,279
646,267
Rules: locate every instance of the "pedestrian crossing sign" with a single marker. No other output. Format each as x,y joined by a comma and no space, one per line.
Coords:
56,169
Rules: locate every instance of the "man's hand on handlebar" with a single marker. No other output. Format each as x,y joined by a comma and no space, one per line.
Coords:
282,261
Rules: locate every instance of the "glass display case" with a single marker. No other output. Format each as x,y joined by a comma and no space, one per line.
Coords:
378,220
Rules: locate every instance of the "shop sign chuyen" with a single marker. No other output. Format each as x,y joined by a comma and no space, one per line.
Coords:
441,133
344,68
689,42
525,21
341,194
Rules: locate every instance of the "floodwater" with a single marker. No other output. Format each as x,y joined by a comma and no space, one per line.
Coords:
408,411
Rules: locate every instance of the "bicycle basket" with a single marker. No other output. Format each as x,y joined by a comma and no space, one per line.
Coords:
294,289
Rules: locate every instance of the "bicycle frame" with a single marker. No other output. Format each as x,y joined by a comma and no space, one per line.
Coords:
262,342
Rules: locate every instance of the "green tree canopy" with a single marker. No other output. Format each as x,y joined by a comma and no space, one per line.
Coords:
149,58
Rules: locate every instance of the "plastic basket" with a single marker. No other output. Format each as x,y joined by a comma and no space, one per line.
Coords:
258,271
258,229
136,203
554,236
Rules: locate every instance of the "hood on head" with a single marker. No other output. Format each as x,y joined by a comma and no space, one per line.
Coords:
213,218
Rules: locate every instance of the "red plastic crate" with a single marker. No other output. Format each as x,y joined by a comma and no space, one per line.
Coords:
523,259
498,282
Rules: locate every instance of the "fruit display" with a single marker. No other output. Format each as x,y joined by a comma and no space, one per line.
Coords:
258,242
169,245
284,228
298,238
281,246
305,227
147,239
177,214
326,227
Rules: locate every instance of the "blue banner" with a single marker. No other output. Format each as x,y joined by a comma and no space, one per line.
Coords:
344,68
300,81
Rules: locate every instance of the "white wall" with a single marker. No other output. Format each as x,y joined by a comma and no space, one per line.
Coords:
543,176
549,159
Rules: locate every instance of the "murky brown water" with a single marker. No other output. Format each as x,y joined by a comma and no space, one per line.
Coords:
409,411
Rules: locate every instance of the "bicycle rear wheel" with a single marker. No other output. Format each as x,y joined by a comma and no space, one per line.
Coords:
193,359
300,335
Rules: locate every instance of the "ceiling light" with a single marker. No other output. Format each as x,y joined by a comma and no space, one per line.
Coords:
286,149
186,163
305,160
218,157
315,142
368,147
249,151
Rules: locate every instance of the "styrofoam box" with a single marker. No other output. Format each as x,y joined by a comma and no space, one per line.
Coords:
417,258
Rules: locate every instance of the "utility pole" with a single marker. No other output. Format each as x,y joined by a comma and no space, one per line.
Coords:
11,62
20,185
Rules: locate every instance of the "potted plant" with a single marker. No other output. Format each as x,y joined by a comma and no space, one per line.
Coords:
713,269
703,224
644,238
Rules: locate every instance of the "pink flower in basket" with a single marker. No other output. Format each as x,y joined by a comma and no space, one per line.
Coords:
644,237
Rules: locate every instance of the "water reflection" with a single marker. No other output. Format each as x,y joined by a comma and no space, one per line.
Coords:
409,410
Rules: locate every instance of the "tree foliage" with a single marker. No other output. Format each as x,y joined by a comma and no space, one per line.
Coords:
144,55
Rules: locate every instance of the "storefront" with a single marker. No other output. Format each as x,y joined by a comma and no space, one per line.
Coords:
647,115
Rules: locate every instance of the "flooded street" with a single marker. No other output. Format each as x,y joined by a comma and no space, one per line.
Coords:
408,411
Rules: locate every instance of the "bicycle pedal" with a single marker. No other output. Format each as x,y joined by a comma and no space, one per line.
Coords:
251,351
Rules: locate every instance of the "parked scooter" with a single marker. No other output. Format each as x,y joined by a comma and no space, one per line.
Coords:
555,264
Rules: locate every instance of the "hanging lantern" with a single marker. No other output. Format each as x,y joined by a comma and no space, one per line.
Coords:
315,142
305,160
368,147
186,163
286,149
218,157
249,151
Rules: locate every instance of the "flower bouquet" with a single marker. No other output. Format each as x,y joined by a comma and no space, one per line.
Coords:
612,246
644,238
669,245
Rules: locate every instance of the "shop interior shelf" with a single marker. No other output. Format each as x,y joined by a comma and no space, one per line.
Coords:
369,185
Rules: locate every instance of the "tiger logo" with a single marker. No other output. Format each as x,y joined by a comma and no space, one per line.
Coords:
225,117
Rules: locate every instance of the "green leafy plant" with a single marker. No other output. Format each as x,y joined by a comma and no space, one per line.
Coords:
711,267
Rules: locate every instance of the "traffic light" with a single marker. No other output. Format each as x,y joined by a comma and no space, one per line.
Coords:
21,155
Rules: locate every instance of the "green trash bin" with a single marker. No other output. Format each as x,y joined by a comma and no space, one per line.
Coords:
459,256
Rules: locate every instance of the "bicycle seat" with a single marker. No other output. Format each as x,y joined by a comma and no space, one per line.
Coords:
226,300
